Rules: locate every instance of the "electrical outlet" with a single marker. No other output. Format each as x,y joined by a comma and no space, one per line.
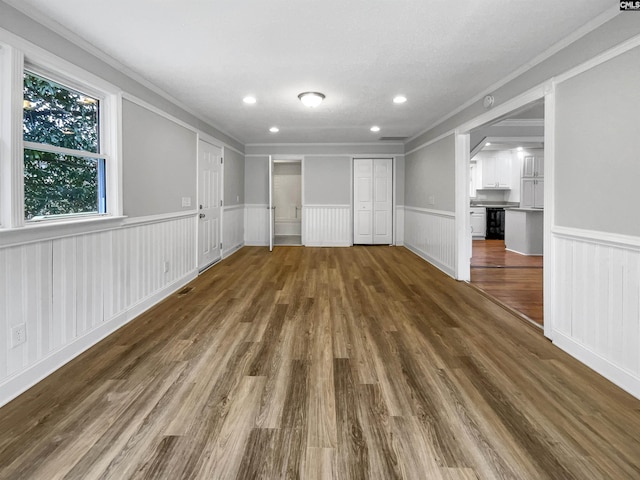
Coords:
166,267
18,335
186,201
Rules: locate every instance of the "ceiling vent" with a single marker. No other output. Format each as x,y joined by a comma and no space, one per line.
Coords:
393,139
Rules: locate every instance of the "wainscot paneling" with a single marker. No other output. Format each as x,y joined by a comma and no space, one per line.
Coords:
327,225
597,302
256,224
72,291
233,229
431,235
399,225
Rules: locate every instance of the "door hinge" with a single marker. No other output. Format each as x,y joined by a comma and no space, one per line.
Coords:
221,160
220,245
220,202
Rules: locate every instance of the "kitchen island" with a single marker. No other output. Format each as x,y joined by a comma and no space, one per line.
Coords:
524,230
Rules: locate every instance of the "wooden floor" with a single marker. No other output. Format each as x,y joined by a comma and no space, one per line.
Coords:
513,279
350,363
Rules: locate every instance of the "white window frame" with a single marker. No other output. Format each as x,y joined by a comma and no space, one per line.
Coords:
16,56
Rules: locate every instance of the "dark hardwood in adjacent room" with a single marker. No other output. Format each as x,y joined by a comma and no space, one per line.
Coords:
512,279
322,363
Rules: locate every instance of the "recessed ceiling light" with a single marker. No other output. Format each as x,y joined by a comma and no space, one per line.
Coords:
311,99
250,100
274,129
519,149
487,144
400,99
375,128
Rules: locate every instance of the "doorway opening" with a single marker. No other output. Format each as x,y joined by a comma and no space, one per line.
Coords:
287,202
506,191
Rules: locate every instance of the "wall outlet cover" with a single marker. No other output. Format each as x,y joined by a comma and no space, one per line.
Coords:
18,335
186,201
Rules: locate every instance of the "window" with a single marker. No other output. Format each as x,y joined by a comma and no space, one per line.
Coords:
64,169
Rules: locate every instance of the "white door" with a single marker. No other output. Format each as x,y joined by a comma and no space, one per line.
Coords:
373,201
271,207
209,203
382,201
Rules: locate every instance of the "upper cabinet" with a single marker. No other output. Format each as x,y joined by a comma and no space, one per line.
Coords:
496,172
533,166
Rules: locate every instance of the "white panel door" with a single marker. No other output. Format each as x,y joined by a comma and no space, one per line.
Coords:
373,201
382,201
363,201
209,202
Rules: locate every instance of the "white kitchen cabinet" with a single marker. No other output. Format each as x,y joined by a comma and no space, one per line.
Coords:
496,172
532,193
478,222
533,166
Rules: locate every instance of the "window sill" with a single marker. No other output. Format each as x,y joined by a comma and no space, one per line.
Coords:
52,229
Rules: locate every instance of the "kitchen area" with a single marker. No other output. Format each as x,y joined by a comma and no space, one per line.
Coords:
507,217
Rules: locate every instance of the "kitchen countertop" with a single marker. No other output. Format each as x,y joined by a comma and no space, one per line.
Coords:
526,209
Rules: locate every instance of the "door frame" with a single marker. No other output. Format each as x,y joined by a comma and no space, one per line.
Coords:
273,159
216,143
545,91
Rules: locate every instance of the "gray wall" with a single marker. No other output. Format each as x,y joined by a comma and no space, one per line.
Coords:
400,179
159,162
18,23
233,177
430,172
597,154
256,180
615,31
327,181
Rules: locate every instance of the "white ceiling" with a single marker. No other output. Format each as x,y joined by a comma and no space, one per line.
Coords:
209,54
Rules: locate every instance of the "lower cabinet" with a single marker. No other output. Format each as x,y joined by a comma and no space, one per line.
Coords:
478,222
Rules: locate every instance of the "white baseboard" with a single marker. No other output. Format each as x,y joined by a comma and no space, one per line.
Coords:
622,378
231,250
256,244
14,386
328,244
431,260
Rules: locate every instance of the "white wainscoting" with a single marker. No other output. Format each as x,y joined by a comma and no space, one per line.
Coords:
233,229
327,225
71,292
431,235
399,225
256,224
596,317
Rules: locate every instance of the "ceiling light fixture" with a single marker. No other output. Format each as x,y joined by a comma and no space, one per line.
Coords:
311,99
250,100
488,144
375,128
519,149
400,99
274,129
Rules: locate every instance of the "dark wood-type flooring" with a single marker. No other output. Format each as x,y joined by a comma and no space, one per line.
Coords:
350,363
513,279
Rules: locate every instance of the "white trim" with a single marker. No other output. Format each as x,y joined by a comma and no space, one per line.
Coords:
319,205
45,147
432,141
520,122
597,237
614,373
533,139
463,219
350,155
342,144
25,379
439,213
549,288
239,206
162,217
54,229
619,49
429,259
579,33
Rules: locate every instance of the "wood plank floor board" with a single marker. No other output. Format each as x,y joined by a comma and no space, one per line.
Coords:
320,363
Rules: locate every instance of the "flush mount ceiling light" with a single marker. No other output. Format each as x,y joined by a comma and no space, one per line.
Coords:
375,128
488,144
250,100
399,99
274,129
311,99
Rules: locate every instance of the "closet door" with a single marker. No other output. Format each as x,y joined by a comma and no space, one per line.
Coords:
372,201
362,201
